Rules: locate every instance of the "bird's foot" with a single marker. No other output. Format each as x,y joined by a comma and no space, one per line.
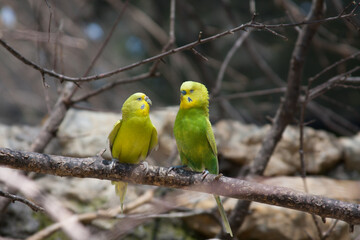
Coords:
145,166
204,174
218,176
100,153
112,164
176,167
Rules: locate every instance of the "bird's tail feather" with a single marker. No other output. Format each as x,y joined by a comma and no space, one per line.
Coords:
223,215
120,189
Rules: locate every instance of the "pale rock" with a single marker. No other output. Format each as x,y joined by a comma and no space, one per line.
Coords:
240,143
17,137
84,133
271,222
275,223
351,147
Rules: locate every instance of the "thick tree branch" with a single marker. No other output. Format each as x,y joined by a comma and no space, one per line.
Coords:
286,110
96,167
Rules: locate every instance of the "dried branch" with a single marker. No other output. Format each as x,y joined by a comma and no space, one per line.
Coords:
322,88
14,198
111,85
96,167
53,207
63,103
251,94
286,111
332,66
188,46
226,62
100,214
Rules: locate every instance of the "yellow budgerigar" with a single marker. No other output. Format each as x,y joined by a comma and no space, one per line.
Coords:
194,136
133,137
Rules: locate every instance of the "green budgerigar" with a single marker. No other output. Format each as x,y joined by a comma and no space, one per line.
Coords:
194,136
133,137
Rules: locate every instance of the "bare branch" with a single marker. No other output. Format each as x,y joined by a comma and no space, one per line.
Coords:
226,61
53,207
14,198
332,66
322,88
188,46
285,112
100,214
111,85
96,167
251,94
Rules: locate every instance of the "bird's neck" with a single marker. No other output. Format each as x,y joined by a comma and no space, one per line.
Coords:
195,110
140,114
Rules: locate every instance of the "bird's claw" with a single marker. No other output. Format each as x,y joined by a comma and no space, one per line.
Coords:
170,169
112,164
175,167
204,174
145,166
218,176
100,153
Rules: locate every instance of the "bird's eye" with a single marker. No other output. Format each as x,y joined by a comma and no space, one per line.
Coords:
192,90
139,99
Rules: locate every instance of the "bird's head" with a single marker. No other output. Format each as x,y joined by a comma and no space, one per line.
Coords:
137,104
193,94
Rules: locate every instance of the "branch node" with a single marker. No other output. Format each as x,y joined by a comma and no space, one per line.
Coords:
199,54
218,176
199,36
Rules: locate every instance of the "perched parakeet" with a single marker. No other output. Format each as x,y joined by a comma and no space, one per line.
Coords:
133,137
194,136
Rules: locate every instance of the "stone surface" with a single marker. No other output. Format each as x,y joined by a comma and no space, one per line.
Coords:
271,222
351,147
240,143
84,133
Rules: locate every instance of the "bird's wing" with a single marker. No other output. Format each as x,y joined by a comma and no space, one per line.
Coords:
153,140
210,137
113,134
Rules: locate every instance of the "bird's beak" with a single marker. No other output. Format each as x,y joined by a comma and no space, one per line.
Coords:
148,100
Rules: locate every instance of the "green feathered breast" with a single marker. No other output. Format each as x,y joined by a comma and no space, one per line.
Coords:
195,140
194,136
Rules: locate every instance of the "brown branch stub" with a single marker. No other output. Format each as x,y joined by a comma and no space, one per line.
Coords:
95,167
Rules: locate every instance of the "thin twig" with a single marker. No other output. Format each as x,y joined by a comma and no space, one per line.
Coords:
171,40
251,94
325,70
50,18
330,230
326,86
166,53
111,85
14,198
286,110
226,62
100,214
53,207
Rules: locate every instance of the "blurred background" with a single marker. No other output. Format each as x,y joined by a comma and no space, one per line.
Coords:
78,28
251,67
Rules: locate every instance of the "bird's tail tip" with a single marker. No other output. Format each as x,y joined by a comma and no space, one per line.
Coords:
223,216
